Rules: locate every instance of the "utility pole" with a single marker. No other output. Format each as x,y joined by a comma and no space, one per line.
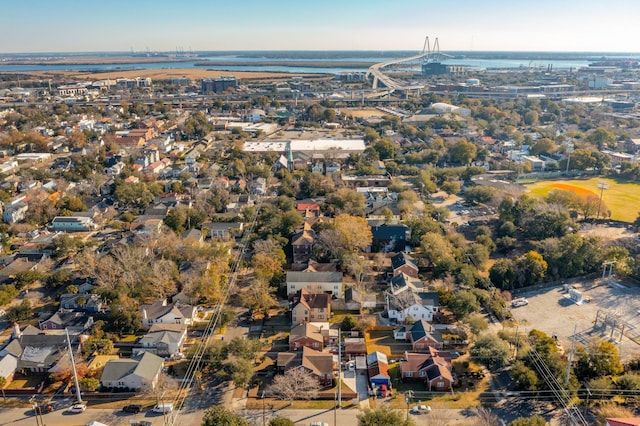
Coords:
263,418
602,185
339,370
573,341
569,151
408,397
73,366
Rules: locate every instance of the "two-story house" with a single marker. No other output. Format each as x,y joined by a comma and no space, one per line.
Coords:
310,307
163,339
167,313
81,302
315,282
402,262
302,244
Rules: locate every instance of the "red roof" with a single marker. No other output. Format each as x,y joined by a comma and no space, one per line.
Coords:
310,206
631,421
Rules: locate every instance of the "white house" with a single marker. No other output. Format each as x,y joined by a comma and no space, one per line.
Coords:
315,282
417,305
73,224
163,339
132,373
161,312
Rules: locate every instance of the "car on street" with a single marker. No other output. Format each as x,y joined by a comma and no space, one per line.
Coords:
420,409
132,408
77,408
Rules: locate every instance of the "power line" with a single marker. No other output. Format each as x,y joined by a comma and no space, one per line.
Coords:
196,360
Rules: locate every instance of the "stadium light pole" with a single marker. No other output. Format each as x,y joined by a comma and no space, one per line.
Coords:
602,185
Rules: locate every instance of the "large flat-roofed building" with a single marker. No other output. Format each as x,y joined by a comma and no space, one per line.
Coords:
72,224
338,148
219,84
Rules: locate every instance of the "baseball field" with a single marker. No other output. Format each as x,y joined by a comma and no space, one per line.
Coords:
622,198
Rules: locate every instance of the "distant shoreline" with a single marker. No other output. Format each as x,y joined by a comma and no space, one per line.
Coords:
93,61
292,64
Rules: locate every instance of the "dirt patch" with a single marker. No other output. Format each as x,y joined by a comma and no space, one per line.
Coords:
580,191
362,113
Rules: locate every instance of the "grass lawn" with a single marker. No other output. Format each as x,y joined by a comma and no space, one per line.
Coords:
25,382
622,198
383,341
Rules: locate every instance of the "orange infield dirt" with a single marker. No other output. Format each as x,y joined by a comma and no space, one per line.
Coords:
580,191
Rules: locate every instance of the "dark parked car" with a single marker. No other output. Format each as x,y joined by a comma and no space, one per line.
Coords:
134,408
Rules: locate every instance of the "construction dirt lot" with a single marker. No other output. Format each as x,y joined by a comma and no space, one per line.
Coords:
616,305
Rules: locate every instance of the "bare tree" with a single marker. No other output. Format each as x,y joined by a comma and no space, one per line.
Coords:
356,266
297,383
486,418
330,241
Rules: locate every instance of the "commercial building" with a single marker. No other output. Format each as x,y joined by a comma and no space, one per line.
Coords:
219,84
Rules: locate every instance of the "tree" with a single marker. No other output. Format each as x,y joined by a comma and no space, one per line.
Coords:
356,266
384,416
524,377
240,371
529,421
480,194
463,303
355,232
19,312
346,200
99,346
258,297
281,421
89,383
491,350
543,146
451,187
348,323
219,415
438,250
476,323
462,152
296,383
602,138
598,358
531,118
486,417
530,269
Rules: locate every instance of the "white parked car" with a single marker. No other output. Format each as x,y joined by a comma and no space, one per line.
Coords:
421,409
519,302
77,408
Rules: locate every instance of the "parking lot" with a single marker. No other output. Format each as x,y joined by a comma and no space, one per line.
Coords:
551,310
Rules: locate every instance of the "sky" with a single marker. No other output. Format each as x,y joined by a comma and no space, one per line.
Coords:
379,25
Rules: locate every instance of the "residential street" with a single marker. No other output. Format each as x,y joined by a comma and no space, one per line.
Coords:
23,416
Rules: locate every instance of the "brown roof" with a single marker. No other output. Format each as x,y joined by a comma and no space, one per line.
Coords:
354,345
318,362
306,330
287,359
313,300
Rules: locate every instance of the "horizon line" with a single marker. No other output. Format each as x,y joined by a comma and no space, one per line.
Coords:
312,50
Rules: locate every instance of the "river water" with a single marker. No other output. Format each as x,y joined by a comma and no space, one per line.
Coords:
253,64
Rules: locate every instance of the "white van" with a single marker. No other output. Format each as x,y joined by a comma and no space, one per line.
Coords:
165,407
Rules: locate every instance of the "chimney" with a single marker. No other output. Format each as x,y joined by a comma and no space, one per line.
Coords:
16,330
144,314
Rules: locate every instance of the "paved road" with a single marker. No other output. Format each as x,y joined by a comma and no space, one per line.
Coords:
23,416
